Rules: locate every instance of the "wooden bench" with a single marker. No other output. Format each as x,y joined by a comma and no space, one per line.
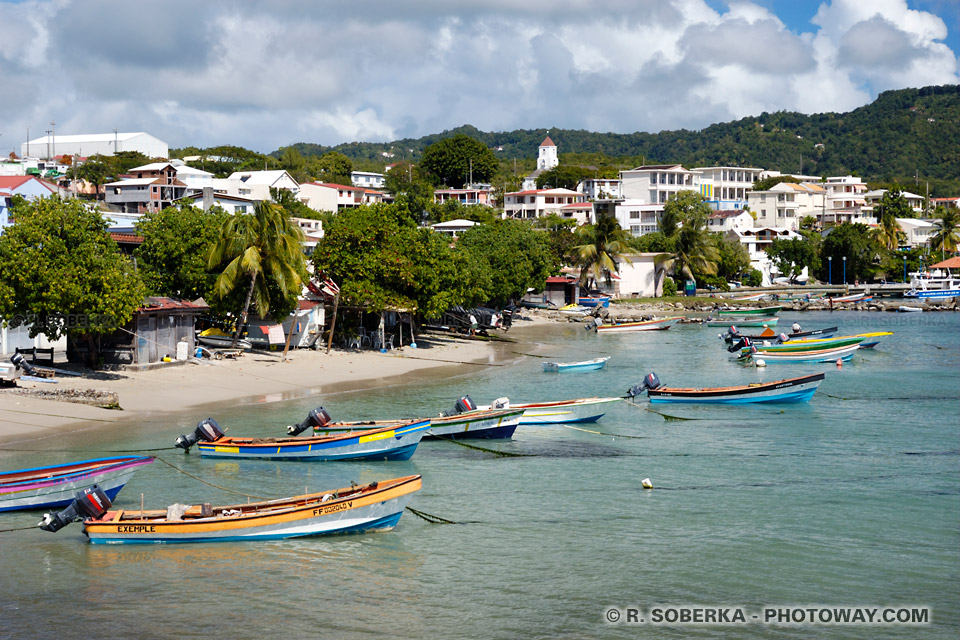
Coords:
37,355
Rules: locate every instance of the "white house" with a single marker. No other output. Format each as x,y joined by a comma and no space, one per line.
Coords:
600,188
636,217
327,196
28,187
539,202
368,179
257,184
655,184
787,203
453,228
312,233
547,159
918,231
845,201
637,276
106,144
727,187
207,198
728,220
756,240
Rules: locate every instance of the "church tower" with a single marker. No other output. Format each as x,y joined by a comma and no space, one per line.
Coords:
548,155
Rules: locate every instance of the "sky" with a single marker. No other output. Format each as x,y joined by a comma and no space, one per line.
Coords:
268,73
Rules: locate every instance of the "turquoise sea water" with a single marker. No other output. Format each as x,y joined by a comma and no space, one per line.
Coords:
852,499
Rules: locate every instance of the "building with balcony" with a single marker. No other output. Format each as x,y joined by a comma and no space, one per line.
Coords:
723,221
153,187
530,205
368,179
328,196
873,198
467,197
727,187
844,201
787,203
600,188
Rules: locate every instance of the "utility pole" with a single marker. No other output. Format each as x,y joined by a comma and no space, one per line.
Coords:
53,131
115,149
48,142
28,142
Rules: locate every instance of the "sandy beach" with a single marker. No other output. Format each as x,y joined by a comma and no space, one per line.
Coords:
255,376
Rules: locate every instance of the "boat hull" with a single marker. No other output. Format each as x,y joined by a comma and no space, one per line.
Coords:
581,410
782,391
60,490
594,302
396,443
743,322
760,311
801,346
647,325
564,367
483,424
311,516
925,295
806,357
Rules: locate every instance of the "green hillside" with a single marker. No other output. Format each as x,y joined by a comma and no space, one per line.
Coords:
909,135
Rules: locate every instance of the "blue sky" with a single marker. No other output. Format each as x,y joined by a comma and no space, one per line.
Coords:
268,73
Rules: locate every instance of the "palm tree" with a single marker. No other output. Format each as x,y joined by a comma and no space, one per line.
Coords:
694,251
888,232
947,236
602,245
265,246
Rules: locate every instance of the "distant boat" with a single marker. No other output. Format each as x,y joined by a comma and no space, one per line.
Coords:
759,311
536,304
586,365
375,506
594,301
818,355
868,340
771,334
789,390
644,325
751,298
742,322
219,340
397,440
55,486
925,288
562,411
908,309
796,346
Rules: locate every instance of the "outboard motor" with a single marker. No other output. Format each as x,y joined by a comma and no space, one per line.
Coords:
91,502
20,363
782,338
465,404
650,381
501,403
736,346
317,418
207,430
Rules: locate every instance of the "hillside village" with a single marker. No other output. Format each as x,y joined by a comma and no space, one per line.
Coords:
636,199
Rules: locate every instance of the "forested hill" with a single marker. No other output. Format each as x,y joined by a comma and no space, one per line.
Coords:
903,135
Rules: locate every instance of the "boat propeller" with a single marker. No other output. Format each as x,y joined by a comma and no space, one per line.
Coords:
650,381
317,418
91,502
20,363
207,430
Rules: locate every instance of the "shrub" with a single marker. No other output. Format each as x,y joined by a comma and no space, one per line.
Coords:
752,278
669,287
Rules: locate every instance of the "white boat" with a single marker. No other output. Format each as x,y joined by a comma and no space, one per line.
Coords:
586,365
562,411
925,287
644,325
908,309
821,355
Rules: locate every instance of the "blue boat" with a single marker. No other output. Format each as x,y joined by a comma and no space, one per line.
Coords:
789,390
387,441
586,365
594,301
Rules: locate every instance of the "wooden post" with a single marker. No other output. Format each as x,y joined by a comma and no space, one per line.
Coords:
333,322
293,324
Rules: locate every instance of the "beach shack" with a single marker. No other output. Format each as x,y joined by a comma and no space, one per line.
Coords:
151,335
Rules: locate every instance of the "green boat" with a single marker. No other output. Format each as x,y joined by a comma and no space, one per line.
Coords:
759,311
743,322
800,347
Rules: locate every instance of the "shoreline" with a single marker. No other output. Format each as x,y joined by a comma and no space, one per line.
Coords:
255,378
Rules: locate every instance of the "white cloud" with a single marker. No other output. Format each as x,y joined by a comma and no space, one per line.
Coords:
265,74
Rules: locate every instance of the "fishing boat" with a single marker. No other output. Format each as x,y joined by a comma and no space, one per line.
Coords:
817,355
939,284
799,389
586,365
472,422
219,340
908,309
731,336
55,486
395,440
594,301
373,507
750,298
796,346
759,311
742,322
561,411
856,297
644,325
574,310
807,297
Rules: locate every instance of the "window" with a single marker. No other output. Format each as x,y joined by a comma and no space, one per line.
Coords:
635,230
672,179
634,215
653,178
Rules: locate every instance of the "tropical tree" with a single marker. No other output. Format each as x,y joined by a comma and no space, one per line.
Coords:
602,245
893,203
946,238
563,177
733,259
333,167
680,208
694,252
265,247
888,232
454,160
854,250
61,273
176,242
791,256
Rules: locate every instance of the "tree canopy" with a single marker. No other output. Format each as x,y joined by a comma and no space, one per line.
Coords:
61,272
857,244
454,160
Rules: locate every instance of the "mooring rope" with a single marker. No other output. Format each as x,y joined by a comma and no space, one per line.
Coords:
432,519
16,529
602,433
216,486
665,416
505,454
